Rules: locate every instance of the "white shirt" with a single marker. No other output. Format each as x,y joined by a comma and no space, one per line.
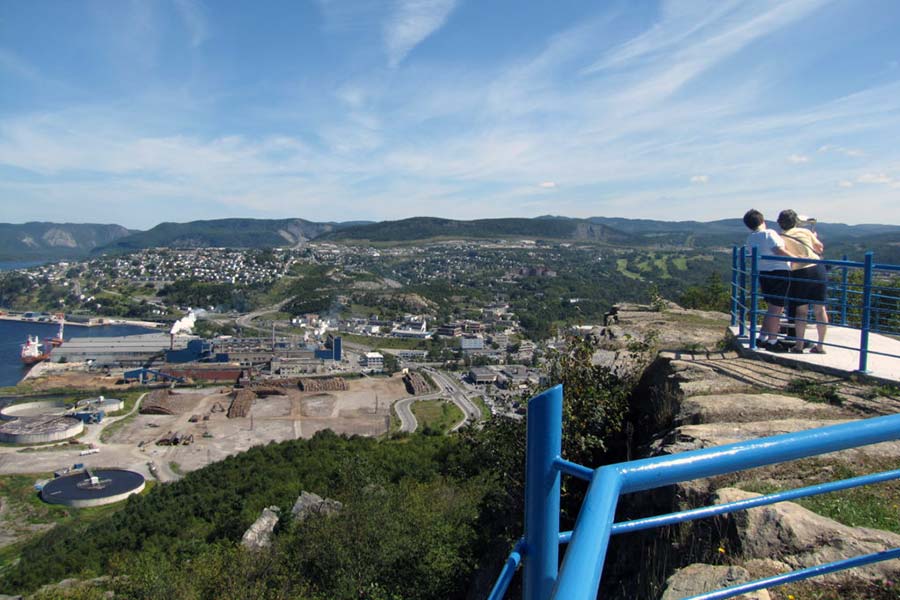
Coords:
767,241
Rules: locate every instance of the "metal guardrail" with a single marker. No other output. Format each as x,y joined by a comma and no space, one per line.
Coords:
579,576
861,295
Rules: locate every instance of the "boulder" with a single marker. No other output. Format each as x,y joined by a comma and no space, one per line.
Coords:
259,535
699,578
801,538
309,504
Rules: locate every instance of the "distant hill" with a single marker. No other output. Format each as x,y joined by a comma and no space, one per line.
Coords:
423,228
37,241
839,238
224,233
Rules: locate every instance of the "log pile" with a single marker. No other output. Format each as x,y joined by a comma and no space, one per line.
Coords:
415,383
322,384
158,402
241,401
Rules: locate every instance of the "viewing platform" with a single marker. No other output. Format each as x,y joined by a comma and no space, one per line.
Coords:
841,359
862,304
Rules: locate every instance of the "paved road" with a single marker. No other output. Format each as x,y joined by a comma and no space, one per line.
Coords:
246,321
408,422
471,413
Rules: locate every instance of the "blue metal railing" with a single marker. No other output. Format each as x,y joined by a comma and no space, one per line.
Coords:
579,576
861,295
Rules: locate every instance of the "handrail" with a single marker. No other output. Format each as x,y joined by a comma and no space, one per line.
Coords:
872,307
582,567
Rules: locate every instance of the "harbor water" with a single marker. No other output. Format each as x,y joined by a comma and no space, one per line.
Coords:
14,333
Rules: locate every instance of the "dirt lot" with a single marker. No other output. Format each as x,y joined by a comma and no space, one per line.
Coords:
364,409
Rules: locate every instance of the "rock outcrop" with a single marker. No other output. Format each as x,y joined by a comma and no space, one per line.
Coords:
309,504
259,535
699,578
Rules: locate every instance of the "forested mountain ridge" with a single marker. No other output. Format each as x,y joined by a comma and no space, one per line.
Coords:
224,233
49,241
424,228
41,240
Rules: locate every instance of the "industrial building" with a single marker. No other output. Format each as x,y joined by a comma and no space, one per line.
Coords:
482,375
126,351
411,355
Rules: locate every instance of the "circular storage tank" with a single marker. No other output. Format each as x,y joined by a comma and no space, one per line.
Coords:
39,430
42,408
107,405
93,487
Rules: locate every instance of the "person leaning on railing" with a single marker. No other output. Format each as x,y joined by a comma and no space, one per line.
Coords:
773,276
808,281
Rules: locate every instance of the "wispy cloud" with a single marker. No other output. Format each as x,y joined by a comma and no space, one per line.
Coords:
798,159
874,178
411,22
194,17
700,179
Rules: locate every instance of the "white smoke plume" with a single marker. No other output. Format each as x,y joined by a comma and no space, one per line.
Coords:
184,324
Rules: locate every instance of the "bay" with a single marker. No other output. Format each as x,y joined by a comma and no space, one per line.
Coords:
14,333
22,264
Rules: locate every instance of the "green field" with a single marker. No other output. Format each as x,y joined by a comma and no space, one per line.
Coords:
438,415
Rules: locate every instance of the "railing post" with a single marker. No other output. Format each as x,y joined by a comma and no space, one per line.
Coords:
734,285
743,308
542,488
844,281
866,313
754,284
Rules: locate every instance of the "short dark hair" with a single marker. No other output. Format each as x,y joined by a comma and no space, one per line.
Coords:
787,219
753,219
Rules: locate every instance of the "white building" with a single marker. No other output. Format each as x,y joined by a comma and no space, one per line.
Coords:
472,342
373,361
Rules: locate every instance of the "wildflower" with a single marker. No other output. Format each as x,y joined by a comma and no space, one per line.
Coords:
790,597
721,550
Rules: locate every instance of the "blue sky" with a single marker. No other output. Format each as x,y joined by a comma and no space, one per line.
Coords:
137,112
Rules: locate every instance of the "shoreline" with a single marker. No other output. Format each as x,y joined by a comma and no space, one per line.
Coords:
92,321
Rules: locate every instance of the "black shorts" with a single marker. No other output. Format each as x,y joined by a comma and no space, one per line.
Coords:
774,285
808,285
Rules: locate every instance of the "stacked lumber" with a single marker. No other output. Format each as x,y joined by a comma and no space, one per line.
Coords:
322,384
415,383
241,401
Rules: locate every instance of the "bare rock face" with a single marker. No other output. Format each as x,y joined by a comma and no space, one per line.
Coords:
259,535
707,435
744,408
801,538
697,579
57,237
308,504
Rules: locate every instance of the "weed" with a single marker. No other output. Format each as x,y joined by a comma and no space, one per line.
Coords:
815,391
881,391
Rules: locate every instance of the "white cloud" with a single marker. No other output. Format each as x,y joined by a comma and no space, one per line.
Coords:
700,179
851,152
874,178
798,159
411,22
548,185
845,183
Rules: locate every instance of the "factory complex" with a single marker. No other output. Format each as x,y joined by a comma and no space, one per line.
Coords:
180,356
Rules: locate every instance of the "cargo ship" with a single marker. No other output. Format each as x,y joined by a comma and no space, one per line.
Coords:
32,352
